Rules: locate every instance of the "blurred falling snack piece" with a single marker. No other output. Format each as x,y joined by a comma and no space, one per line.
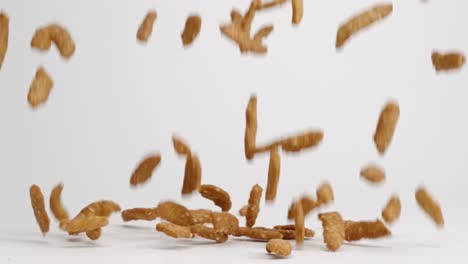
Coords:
386,126
146,27
253,205
4,32
447,61
145,169
429,205
365,229
392,210
38,206
273,175
191,30
333,230
373,173
297,10
55,203
361,21
40,88
57,34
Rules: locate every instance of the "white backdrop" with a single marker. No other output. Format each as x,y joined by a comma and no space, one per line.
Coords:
116,100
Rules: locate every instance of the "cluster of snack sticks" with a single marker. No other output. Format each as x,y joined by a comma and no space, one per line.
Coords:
183,222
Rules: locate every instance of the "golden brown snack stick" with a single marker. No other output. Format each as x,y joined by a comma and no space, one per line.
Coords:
180,146
219,196
333,230
386,126
250,128
429,205
209,233
191,30
173,230
4,32
94,234
145,169
239,31
278,247
288,234
270,4
225,222
148,214
175,213
302,141
365,229
187,186
259,234
273,175
82,223
38,206
447,61
55,203
307,232
373,173
101,208
299,223
243,210
392,209
361,21
298,11
58,35
253,205
308,204
325,194
197,173
146,27
40,88
201,216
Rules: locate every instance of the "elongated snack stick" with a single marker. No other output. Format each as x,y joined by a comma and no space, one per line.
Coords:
299,223
325,194
175,213
386,126
145,169
279,247
365,229
307,232
250,128
82,223
187,186
43,37
392,210
243,210
102,208
373,173
333,230
429,205
239,30
447,61
173,230
253,205
258,234
94,234
219,196
225,223
201,216
55,203
273,175
361,21
4,32
38,206
148,214
308,204
191,30
180,146
197,173
298,11
209,233
302,141
146,27
40,88
288,234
